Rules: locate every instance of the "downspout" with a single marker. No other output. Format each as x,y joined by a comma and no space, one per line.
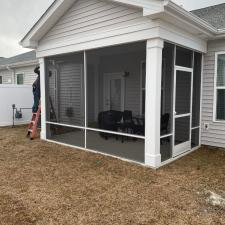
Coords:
13,74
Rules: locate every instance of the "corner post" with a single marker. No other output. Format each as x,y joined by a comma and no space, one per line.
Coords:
153,102
43,99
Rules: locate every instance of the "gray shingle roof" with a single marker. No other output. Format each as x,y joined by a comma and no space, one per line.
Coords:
214,15
29,56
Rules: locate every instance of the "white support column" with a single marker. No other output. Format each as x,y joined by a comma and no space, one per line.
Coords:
153,102
43,98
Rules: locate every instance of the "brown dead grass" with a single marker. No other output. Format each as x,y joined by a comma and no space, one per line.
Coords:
47,184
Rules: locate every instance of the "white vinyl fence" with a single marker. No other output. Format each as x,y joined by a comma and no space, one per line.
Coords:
22,97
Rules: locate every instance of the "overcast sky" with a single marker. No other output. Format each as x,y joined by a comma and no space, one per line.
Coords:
18,16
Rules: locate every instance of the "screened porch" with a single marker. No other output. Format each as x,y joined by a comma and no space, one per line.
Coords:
96,100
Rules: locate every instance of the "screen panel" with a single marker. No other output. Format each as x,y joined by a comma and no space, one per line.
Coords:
117,145
66,135
66,97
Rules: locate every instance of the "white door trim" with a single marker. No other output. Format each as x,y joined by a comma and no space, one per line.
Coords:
107,76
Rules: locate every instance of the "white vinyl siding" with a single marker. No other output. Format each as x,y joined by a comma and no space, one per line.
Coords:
9,76
6,76
70,98
132,82
214,135
28,72
94,20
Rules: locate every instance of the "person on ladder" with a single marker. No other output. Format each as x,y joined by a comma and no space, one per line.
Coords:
36,90
36,109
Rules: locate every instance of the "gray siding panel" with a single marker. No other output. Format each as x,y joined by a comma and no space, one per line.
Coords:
215,135
70,93
6,76
132,82
29,75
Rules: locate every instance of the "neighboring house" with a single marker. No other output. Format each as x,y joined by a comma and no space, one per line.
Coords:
140,80
16,79
18,69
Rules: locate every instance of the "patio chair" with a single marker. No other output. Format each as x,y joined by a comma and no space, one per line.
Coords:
127,126
139,126
110,121
128,123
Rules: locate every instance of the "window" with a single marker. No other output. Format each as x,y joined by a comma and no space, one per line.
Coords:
220,87
0,79
19,79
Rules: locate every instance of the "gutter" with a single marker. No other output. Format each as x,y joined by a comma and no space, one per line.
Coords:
171,7
174,10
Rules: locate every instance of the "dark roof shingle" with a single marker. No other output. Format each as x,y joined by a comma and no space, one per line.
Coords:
29,56
214,15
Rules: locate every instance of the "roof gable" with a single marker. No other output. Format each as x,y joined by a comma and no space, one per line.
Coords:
154,9
60,7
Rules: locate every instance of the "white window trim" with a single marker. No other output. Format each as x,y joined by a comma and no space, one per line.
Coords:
215,120
23,78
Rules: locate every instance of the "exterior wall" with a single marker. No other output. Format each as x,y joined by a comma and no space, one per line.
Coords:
29,75
132,82
21,96
89,21
214,136
9,76
70,96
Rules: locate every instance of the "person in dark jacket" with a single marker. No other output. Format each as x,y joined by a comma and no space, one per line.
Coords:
36,90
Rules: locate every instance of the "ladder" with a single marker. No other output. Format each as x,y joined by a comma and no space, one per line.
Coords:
32,127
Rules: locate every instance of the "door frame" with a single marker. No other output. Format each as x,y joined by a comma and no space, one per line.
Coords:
106,90
186,146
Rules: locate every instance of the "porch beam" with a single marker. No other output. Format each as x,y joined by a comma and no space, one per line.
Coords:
153,102
43,98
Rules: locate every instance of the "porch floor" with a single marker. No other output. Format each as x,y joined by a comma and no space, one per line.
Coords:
44,183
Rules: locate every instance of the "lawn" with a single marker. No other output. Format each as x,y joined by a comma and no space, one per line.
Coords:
46,184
